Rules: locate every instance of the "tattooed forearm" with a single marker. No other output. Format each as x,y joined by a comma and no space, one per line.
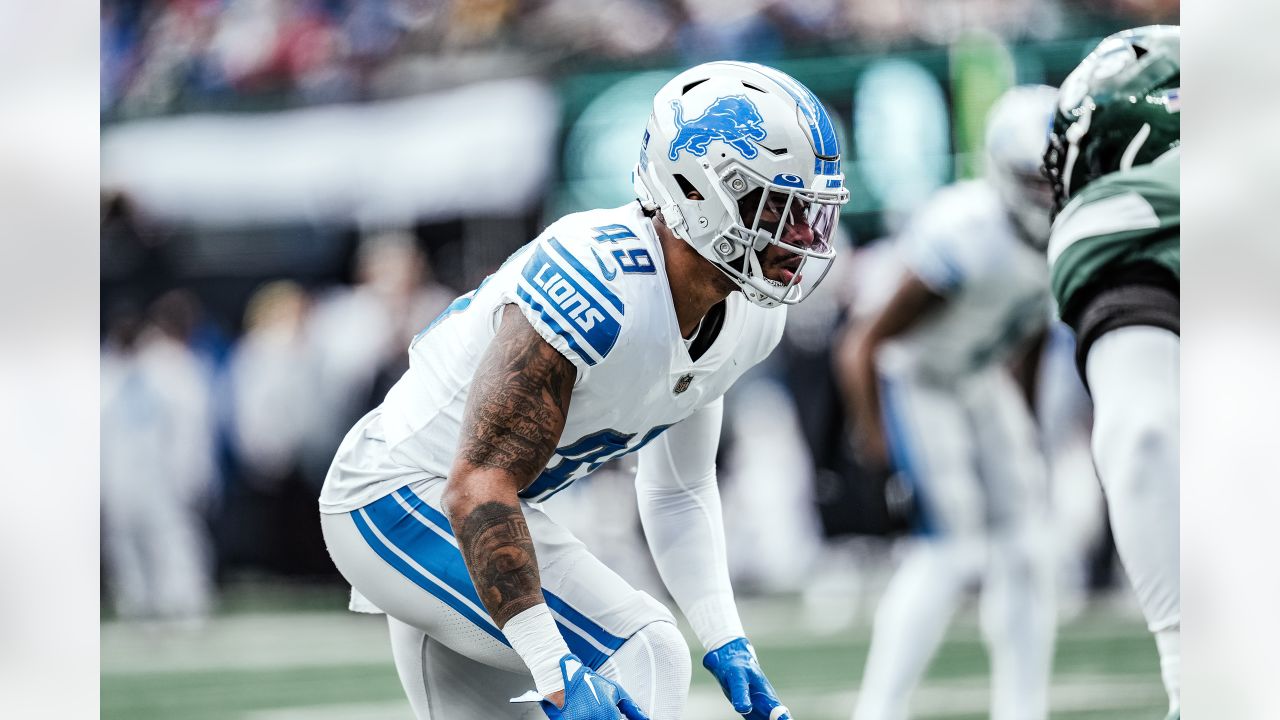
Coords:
518,402
515,414
498,550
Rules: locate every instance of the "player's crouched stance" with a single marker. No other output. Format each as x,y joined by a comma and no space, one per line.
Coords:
615,331
1114,262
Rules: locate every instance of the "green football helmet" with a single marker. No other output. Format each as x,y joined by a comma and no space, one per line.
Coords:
1119,108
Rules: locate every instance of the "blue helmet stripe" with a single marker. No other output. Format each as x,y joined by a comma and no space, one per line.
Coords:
823,131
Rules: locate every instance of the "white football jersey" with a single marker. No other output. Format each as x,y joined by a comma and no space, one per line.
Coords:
594,285
963,246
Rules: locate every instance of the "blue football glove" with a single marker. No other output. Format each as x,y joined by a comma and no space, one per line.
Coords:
587,696
734,664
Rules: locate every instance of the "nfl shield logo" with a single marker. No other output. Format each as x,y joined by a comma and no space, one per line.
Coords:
683,383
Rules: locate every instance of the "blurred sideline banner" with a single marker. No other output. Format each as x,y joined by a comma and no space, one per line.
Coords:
482,149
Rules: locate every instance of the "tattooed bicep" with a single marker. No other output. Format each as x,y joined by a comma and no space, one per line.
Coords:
518,402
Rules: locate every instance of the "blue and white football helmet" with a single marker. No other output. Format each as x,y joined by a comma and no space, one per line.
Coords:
1017,134
744,165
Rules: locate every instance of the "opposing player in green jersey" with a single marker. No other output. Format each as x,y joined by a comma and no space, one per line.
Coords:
1113,159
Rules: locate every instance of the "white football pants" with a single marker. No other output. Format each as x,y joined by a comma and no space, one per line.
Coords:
970,454
1133,374
399,553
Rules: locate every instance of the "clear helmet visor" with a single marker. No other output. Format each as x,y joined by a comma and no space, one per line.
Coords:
787,241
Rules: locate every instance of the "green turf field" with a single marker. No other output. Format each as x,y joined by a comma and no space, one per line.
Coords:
307,659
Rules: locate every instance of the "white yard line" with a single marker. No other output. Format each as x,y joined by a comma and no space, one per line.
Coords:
246,642
363,711
961,697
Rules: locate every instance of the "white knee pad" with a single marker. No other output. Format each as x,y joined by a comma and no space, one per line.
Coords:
1128,449
654,667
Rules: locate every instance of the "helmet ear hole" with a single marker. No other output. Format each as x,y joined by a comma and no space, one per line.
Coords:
686,187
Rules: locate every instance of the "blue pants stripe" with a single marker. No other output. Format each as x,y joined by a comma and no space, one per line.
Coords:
427,548
899,440
585,638
599,634
432,586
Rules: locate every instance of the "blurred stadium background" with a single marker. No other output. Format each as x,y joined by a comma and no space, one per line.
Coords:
291,189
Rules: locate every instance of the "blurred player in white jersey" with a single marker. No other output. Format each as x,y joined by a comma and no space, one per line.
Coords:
614,330
932,397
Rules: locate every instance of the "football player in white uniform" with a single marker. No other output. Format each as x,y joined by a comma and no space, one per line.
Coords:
933,399
614,330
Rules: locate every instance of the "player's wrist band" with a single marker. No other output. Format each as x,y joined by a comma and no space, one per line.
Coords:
536,639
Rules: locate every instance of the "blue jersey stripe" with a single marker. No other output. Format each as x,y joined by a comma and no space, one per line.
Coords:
563,295
555,326
587,274
422,581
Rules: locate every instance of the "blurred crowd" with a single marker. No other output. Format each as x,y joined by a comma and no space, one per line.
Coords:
214,447
162,56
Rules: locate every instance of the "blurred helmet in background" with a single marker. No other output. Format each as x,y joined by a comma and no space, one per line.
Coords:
1016,136
1119,108
761,154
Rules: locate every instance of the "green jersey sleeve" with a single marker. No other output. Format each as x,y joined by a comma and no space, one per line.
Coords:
1121,219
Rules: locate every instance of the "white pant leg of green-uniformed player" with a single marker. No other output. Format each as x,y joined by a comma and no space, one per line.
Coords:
1122,221
1133,372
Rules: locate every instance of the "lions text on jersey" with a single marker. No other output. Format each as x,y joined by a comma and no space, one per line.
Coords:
594,286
